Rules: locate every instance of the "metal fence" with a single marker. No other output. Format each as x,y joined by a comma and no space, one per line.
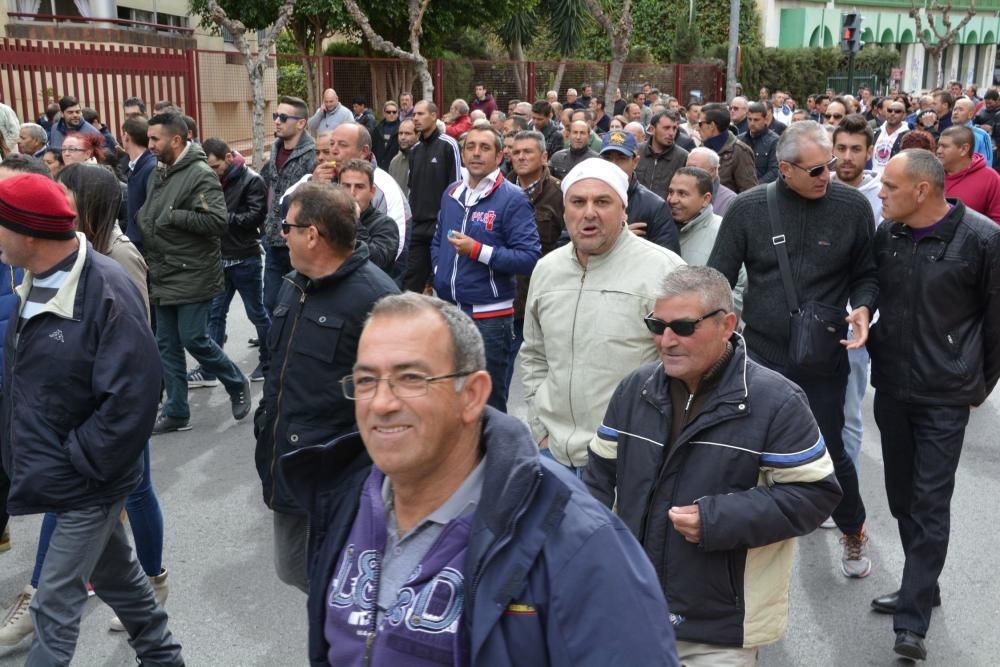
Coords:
213,87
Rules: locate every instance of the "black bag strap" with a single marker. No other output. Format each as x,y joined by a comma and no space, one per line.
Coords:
778,241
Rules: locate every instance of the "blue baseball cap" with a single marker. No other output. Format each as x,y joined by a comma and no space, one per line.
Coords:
619,140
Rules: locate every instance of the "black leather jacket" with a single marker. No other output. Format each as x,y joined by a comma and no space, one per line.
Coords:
937,340
246,203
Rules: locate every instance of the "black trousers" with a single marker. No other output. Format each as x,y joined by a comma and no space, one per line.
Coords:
826,396
4,492
921,446
418,268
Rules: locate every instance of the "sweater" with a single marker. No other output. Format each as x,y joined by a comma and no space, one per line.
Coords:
978,186
829,243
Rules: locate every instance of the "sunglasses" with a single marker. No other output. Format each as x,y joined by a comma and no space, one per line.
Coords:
896,111
682,328
284,117
818,170
389,111
286,227
833,116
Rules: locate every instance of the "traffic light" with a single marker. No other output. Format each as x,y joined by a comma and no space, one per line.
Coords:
850,35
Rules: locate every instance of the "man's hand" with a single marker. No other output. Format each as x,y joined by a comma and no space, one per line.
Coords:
325,171
638,228
463,245
687,522
859,319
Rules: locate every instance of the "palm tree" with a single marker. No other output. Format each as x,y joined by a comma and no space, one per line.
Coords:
565,19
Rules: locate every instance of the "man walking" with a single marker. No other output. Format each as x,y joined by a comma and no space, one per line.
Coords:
967,175
486,236
889,137
293,155
427,516
707,159
181,222
737,170
435,164
79,401
762,141
828,228
141,163
660,157
934,353
385,141
321,309
579,150
399,168
588,295
962,116
672,456
246,206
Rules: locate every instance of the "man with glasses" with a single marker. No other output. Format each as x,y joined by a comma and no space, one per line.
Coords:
293,155
889,137
440,531
738,109
318,318
827,228
681,451
835,112
385,141
737,170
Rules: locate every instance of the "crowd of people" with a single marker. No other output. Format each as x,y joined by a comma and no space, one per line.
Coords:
697,298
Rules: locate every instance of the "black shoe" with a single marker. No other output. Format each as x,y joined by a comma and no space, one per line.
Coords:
258,374
254,342
886,604
167,424
910,645
241,400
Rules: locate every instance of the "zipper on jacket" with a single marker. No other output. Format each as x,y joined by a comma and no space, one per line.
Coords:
281,389
572,343
373,614
454,266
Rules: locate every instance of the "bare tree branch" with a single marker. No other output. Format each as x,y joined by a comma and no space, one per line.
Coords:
417,8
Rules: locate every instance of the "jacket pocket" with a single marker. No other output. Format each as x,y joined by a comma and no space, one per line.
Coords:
318,335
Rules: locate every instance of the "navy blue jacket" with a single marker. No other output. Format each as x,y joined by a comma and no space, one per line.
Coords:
9,279
503,224
557,579
138,179
81,387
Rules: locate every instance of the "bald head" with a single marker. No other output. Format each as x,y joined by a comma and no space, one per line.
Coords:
921,166
350,141
963,111
330,99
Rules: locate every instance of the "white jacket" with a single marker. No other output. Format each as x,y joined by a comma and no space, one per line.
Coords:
583,333
697,238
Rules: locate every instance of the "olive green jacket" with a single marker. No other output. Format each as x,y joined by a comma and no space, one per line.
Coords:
181,223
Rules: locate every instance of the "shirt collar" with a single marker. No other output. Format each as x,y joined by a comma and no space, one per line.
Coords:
464,500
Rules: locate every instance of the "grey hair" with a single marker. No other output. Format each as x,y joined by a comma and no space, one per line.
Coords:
37,132
499,115
796,135
525,135
708,154
461,105
706,282
468,351
922,165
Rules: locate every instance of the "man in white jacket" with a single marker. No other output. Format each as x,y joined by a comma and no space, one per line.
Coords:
853,145
583,324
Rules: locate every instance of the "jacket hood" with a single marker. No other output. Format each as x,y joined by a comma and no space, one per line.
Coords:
978,164
870,182
305,145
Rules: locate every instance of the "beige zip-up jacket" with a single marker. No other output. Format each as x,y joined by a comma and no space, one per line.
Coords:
583,333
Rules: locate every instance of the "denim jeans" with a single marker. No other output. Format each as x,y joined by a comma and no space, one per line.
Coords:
857,384
547,453
498,334
826,401
185,327
515,347
247,279
144,515
89,544
921,446
276,264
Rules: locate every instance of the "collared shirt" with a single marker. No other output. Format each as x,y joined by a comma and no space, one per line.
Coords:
530,187
473,195
404,552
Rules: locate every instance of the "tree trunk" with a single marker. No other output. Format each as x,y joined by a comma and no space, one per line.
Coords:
560,72
938,68
256,72
517,67
426,80
619,52
311,72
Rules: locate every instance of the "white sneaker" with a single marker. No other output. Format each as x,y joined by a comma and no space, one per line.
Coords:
828,523
160,588
855,564
17,623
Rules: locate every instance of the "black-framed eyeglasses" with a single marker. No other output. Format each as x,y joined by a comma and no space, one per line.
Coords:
388,111
403,385
682,328
284,117
833,116
896,110
286,227
818,170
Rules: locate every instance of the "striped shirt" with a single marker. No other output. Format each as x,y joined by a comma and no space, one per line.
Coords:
44,287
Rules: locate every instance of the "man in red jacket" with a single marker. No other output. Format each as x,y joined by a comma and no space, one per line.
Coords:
967,175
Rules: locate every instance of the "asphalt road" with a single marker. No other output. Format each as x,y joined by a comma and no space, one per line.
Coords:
227,608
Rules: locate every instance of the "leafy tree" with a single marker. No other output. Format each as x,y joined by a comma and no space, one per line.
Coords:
255,63
941,37
563,20
619,32
687,43
657,23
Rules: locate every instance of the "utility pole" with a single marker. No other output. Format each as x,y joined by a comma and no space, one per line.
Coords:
734,39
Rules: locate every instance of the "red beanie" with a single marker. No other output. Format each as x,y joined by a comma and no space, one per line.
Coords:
34,205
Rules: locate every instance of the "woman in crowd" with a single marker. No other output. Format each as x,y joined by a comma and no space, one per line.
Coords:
80,147
54,161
